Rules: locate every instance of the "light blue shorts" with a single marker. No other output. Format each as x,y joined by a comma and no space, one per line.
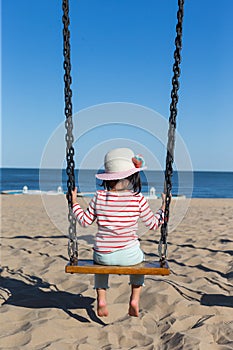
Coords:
121,257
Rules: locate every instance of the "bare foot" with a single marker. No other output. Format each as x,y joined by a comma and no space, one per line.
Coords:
134,308
102,309
134,300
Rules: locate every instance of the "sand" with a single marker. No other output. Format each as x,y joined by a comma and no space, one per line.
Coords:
44,308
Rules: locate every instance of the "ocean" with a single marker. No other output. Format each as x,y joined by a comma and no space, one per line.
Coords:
197,184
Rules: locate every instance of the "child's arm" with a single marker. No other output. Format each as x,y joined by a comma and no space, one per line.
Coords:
84,218
151,220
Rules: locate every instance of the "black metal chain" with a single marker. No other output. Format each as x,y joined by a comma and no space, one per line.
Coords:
171,132
73,243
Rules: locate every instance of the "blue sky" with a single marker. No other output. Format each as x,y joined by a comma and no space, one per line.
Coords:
122,51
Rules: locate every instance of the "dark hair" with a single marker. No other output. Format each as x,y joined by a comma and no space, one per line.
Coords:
135,183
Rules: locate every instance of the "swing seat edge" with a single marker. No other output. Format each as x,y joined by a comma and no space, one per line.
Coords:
86,266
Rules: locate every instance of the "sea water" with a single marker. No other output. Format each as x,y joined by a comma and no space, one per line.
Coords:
197,184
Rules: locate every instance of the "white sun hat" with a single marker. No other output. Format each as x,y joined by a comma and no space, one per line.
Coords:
120,163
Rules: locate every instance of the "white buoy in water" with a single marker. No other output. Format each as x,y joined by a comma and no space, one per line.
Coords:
25,189
59,190
152,192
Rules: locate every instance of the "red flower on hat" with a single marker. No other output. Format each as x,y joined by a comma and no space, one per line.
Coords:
138,161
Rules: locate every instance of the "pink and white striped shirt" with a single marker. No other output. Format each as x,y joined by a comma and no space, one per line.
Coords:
117,215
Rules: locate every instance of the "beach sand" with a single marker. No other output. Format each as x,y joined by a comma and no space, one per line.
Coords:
44,308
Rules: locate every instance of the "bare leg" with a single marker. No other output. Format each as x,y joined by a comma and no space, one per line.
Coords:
102,309
134,300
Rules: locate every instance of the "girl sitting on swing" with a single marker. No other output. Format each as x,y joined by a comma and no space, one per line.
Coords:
117,209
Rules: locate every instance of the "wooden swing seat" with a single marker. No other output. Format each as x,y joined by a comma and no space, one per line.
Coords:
144,268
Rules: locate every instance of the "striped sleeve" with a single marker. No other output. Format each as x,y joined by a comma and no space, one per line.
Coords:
151,220
87,217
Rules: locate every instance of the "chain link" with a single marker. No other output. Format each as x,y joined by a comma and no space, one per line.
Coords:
73,243
162,249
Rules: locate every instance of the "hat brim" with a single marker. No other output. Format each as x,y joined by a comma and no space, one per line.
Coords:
118,175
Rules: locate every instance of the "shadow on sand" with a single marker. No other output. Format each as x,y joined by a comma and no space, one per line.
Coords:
217,300
34,295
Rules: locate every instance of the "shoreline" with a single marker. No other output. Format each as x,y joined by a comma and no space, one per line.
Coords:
90,194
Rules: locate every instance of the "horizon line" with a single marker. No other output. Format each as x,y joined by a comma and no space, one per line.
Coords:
95,169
